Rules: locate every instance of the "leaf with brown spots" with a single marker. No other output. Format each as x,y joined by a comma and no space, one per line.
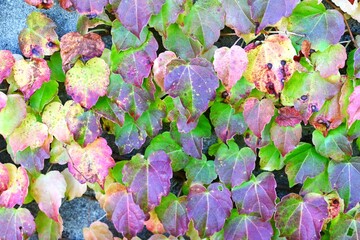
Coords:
85,83
46,4
92,163
39,39
30,75
288,117
6,63
74,45
271,64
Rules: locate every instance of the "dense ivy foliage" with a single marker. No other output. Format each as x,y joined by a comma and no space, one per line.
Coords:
293,71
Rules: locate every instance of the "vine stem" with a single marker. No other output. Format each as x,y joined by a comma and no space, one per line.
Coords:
228,34
288,33
99,30
2,150
236,41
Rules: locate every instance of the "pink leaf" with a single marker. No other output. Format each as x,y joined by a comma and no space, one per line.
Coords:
159,67
354,106
288,117
3,100
285,138
6,63
16,223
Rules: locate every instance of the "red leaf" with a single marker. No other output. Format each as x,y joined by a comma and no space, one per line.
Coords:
288,117
6,63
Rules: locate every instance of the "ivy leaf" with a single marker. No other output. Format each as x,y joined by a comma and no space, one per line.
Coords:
354,106
301,218
256,196
329,61
137,14
341,175
255,142
208,208
39,39
16,223
302,163
271,64
130,136
230,64
356,63
107,108
48,190
44,95
85,126
335,145
165,142
172,213
270,158
204,21
237,13
168,14
47,228
85,83
30,133
345,226
285,138
73,45
88,7
54,116
29,76
40,4
55,65
319,26
200,171
59,153
97,230
194,83
318,184
288,117
160,67
242,226
73,187
302,92
269,12
151,120
257,114
234,166
148,179
6,64
91,163
14,185
127,216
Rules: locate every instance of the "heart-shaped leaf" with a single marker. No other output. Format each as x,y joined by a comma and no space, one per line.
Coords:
151,120
148,179
39,39
256,196
286,138
301,218
234,166
85,83
6,63
88,7
341,176
14,185
16,223
29,76
91,163
200,171
194,83
127,216
237,14
208,207
48,190
270,158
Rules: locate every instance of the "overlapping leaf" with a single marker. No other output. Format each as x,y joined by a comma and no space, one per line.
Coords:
271,64
39,39
16,223
29,76
107,108
47,228
127,216
286,138
73,187
343,177
87,7
302,163
301,218
173,214
151,120
97,230
356,63
194,83
85,83
234,166
6,64
159,68
44,95
288,117
345,227
256,196
48,190
91,163
208,207
148,179
270,158
3,100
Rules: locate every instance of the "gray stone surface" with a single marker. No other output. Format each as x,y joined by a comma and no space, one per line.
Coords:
13,15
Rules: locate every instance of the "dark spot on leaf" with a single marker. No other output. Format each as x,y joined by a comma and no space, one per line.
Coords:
91,16
247,135
224,94
350,232
335,201
20,228
269,66
270,88
304,97
283,62
50,44
314,108
35,51
312,51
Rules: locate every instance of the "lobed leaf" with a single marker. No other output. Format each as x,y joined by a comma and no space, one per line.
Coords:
200,171
6,64
16,223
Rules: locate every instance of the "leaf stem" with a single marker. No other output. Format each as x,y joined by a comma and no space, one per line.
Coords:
49,168
2,150
236,41
228,34
99,30
101,218
288,33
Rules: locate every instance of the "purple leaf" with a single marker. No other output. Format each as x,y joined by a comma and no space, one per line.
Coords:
301,218
285,138
356,63
234,166
269,12
16,223
247,227
194,83
209,208
108,109
344,177
89,7
237,14
173,215
256,196
148,179
288,117
135,14
257,114
3,100
151,120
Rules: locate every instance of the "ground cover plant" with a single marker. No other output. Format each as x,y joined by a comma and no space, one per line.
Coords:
283,97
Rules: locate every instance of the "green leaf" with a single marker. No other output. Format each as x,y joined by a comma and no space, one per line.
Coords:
318,184
47,228
44,95
55,65
270,158
12,114
200,171
345,226
116,171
